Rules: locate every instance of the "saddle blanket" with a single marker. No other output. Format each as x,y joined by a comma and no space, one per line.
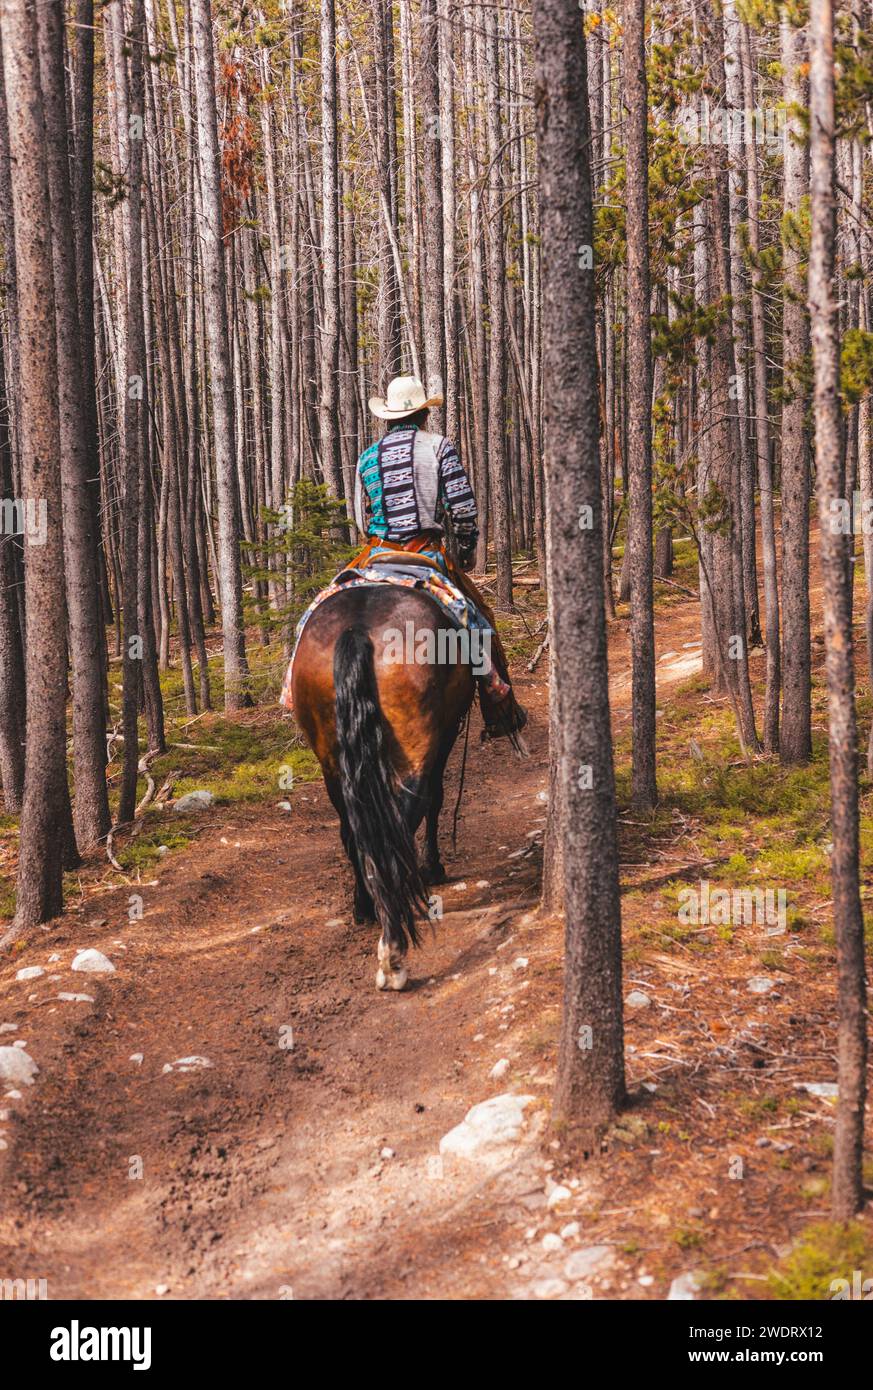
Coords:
460,611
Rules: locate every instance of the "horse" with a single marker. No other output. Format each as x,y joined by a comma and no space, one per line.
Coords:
382,730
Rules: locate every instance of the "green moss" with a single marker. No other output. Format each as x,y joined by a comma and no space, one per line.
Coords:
143,850
826,1252
688,1237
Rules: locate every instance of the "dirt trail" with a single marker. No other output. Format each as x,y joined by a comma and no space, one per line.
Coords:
266,1174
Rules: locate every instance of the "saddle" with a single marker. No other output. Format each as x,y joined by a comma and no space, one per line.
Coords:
402,557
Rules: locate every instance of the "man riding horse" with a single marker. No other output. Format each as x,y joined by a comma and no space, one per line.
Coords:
383,729
406,484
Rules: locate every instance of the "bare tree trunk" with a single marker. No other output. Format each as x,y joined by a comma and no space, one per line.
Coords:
218,344
433,297
328,408
46,796
501,532
762,419
12,686
590,1082
847,1194
80,551
795,742
639,343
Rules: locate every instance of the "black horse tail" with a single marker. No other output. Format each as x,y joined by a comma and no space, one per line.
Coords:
380,834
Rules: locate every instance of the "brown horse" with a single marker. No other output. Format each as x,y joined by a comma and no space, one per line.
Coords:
382,730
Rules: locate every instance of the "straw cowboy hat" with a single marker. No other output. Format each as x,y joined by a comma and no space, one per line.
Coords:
405,396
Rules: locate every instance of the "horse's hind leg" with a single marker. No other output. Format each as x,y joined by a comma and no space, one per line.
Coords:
364,909
432,868
392,949
392,972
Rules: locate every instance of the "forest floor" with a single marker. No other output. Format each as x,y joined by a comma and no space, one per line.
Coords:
267,1174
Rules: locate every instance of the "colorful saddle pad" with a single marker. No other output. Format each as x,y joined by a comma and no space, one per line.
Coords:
459,610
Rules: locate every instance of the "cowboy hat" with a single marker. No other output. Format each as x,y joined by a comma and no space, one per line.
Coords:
405,396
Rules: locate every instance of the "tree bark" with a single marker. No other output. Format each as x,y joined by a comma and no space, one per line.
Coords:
46,796
218,345
847,1190
644,791
795,740
590,1081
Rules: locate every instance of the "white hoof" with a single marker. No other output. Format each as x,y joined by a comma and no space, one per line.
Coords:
391,979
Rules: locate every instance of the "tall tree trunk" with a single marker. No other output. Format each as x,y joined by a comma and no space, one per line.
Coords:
12,686
433,289
590,1081
639,347
847,1191
795,741
91,811
501,530
46,796
329,336
762,419
218,345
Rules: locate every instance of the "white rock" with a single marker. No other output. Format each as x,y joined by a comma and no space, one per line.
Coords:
647,1280
760,984
558,1195
460,887
284,805
492,1125
387,1153
520,963
548,1288
53,958
17,1066
76,998
30,972
584,1262
685,1288
825,1090
188,1064
8,1027
483,883
13,1095
637,1000
19,1042
551,1243
194,801
161,1289
569,1231
135,1057
93,963
499,1070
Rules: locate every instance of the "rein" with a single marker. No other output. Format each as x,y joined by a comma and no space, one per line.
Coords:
461,783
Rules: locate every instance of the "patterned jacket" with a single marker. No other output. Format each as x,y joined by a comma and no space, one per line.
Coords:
407,482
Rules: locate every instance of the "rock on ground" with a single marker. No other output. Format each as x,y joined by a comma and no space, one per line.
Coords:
17,1066
194,801
493,1124
93,963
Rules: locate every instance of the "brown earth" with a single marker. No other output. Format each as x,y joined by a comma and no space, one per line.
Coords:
267,1174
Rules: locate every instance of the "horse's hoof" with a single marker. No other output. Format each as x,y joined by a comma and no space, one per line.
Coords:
433,873
393,979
